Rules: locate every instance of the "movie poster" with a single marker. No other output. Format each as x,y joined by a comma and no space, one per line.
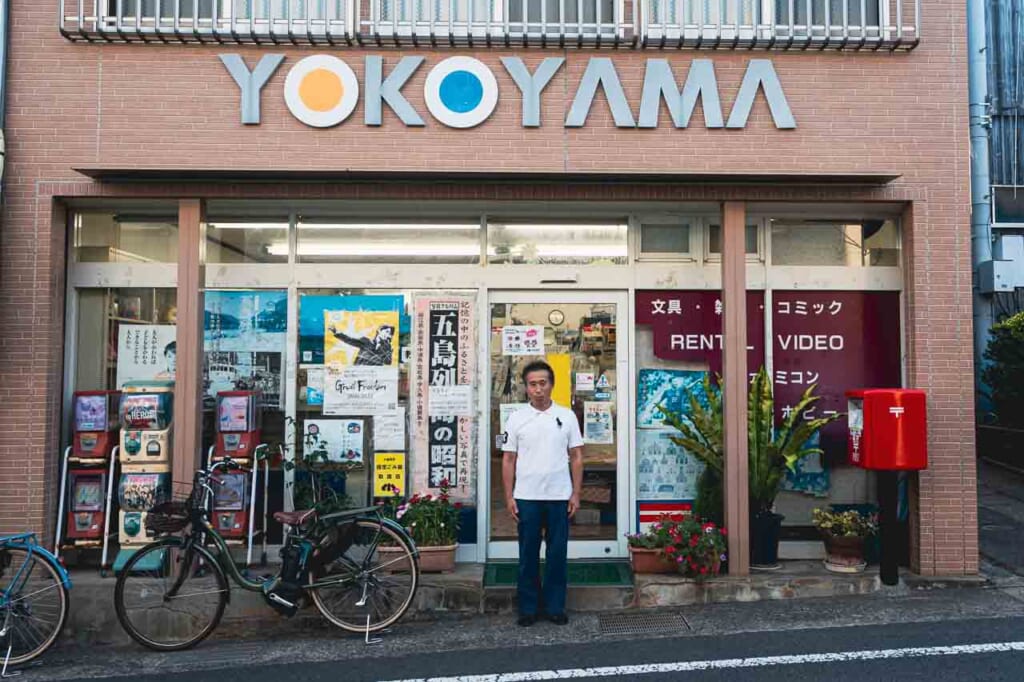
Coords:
443,444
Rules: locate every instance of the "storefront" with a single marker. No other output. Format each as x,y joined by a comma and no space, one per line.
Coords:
378,238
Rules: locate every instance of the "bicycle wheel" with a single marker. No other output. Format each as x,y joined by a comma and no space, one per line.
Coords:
169,597
371,583
34,604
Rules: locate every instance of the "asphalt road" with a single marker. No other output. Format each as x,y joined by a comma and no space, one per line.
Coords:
946,650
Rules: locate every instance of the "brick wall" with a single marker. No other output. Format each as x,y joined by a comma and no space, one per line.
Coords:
75,105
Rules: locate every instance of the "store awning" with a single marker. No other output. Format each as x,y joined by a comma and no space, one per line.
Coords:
235,175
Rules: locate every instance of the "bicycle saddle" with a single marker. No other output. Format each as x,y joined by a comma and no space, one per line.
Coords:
293,518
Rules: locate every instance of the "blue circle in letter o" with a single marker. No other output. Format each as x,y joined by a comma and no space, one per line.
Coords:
461,91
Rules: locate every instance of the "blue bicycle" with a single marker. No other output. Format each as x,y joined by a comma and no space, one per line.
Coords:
33,599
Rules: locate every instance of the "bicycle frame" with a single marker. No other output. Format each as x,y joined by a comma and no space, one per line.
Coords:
27,541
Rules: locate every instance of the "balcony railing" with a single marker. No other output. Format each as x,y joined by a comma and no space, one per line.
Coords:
696,24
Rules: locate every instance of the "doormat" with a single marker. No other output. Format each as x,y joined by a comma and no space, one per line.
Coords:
581,574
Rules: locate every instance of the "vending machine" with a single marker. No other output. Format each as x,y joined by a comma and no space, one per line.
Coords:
238,428
146,420
86,504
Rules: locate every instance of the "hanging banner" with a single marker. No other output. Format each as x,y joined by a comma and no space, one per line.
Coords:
444,342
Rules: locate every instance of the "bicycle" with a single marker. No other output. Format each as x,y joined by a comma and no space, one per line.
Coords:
33,599
360,569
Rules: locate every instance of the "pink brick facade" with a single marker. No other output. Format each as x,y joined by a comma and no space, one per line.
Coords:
76,105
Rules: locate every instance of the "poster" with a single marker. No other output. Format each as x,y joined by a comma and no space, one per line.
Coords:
247,321
360,390
451,400
315,385
597,423
231,492
88,494
665,471
388,470
333,440
242,371
234,414
360,338
522,340
667,387
146,352
312,315
91,413
444,445
584,382
389,430
244,338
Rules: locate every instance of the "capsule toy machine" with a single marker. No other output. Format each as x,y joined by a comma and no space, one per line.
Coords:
85,505
146,415
238,427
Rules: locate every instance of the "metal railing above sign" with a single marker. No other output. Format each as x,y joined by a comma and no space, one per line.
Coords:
696,24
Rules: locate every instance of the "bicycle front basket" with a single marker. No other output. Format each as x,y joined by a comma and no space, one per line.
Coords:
168,517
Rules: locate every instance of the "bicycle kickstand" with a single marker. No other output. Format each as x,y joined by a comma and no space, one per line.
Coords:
14,673
368,641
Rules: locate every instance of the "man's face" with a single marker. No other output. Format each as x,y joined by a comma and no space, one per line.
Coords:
172,360
385,333
538,388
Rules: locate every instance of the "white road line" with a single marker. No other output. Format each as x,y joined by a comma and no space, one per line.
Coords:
758,662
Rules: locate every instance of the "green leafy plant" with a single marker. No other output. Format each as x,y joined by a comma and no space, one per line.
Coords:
1004,373
431,520
850,523
771,449
315,473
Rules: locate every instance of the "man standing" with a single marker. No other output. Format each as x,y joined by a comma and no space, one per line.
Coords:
542,471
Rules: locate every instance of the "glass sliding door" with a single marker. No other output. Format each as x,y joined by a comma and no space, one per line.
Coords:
582,336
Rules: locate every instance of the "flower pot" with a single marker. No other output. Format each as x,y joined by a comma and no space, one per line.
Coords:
844,554
649,561
765,529
437,559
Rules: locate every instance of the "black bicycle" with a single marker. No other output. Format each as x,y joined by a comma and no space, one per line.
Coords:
358,567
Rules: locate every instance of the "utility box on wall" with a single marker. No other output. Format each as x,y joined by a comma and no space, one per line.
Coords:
888,429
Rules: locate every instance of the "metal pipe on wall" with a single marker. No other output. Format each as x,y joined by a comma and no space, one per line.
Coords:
5,10
981,225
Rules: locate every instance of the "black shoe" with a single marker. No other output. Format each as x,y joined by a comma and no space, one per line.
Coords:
559,619
526,620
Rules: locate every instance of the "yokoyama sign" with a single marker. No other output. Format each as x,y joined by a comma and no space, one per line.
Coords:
462,92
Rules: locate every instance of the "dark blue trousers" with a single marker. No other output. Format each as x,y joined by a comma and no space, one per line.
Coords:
550,521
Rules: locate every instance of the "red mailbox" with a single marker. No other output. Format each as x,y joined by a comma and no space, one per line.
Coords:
888,429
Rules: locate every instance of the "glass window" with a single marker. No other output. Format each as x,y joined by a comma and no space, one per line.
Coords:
665,239
1008,205
835,243
715,239
373,242
834,8
238,241
553,243
123,238
125,335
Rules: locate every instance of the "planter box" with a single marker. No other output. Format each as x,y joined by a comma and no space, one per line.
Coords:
649,561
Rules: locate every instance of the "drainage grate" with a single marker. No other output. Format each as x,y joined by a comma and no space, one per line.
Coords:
658,622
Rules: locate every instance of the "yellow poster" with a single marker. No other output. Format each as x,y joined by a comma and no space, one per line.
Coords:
361,338
388,470
561,363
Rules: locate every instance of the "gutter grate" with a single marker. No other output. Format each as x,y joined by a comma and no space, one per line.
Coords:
639,623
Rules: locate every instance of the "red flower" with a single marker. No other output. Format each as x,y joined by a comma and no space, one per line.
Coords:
722,530
703,570
670,549
693,541
458,505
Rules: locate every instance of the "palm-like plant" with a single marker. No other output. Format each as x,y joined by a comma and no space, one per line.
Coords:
771,450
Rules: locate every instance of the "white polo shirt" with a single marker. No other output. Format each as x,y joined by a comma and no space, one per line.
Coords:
541,441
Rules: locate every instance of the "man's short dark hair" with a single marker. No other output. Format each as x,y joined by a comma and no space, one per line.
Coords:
172,347
539,366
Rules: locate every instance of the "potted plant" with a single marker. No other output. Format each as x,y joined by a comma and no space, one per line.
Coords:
844,534
772,450
433,523
646,553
